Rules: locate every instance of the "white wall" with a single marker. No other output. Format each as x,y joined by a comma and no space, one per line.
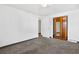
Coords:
16,25
47,26
73,25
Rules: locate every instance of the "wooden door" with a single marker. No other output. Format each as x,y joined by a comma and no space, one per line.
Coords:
60,27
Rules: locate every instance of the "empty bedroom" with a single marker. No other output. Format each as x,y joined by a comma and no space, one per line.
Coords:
39,28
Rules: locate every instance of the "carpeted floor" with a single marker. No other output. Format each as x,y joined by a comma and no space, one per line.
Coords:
42,45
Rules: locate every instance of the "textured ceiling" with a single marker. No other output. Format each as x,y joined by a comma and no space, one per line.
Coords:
43,11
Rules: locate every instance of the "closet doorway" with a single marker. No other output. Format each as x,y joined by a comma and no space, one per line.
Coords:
60,27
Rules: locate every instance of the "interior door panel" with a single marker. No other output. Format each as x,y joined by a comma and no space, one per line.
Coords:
60,27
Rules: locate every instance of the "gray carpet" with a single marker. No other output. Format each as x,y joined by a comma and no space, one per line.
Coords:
42,45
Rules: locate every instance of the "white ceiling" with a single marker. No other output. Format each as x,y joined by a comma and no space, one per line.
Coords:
43,11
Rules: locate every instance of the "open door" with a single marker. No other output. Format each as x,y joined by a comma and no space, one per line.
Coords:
60,27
